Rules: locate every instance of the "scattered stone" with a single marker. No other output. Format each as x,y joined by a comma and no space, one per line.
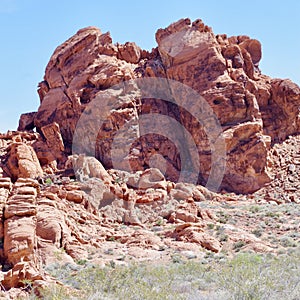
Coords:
138,208
189,254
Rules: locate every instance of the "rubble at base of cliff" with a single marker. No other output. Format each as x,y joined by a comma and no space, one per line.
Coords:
59,205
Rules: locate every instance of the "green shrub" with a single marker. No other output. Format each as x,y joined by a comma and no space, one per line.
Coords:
48,181
257,232
246,276
238,245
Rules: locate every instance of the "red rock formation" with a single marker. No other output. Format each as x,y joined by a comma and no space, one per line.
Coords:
26,121
27,155
46,213
250,107
20,222
23,162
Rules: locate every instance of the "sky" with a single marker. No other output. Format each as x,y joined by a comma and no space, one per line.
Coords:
30,30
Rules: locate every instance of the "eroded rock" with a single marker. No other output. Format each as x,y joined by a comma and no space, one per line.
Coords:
23,162
57,217
223,70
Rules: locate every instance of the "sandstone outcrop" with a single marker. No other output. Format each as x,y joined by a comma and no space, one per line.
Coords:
26,121
252,109
23,162
113,142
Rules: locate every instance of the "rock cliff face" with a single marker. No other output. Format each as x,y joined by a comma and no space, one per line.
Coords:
120,120
252,109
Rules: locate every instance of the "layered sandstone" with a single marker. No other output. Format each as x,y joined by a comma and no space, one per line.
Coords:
121,134
252,109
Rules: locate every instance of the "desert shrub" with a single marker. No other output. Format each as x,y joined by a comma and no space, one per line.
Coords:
246,276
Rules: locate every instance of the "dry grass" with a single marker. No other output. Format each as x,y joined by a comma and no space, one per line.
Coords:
246,276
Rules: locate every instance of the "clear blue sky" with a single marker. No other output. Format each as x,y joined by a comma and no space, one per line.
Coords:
30,30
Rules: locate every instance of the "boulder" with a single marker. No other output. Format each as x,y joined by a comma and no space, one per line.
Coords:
23,162
26,121
86,68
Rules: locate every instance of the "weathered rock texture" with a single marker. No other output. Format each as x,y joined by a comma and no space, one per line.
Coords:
46,215
252,108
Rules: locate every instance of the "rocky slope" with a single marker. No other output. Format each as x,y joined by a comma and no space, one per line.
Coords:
252,109
137,113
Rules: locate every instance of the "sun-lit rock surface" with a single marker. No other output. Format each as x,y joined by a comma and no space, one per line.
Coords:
60,205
